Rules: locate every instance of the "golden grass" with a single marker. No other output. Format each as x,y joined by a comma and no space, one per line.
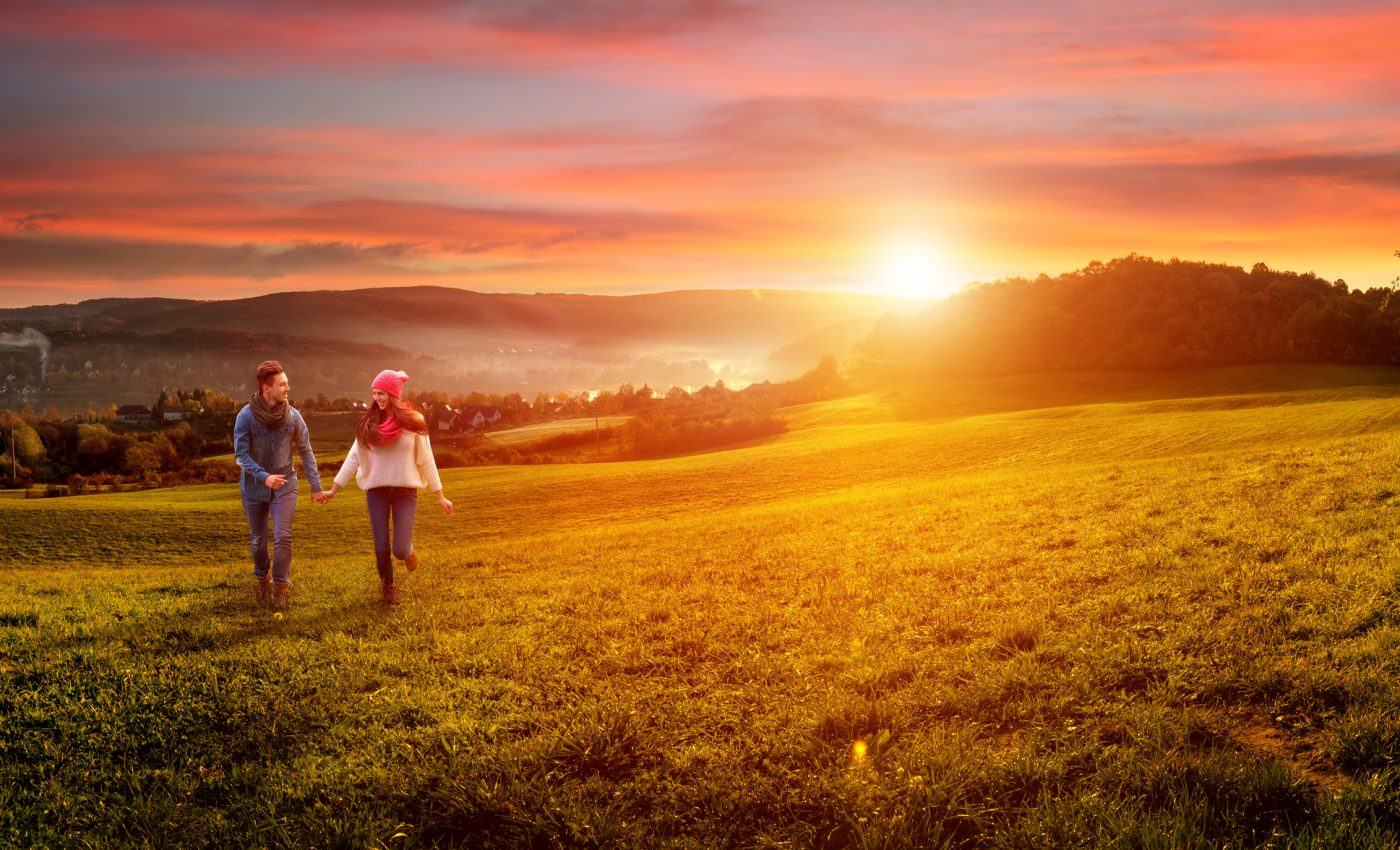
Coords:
1135,610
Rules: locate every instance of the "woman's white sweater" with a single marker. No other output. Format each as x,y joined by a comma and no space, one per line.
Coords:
406,462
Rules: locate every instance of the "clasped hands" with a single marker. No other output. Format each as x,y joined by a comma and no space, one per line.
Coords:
277,482
325,496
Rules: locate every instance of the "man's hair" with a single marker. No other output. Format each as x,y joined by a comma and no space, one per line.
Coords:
266,370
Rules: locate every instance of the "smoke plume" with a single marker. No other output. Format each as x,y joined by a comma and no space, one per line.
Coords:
30,338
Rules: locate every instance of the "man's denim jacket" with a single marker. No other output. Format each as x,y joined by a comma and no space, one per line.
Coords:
261,453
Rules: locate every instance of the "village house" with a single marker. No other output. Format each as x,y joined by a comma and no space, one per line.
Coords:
471,418
572,407
133,413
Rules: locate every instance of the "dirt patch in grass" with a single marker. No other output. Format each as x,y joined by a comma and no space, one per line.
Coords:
1300,753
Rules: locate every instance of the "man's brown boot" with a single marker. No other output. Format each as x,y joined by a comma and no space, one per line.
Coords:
261,588
391,593
279,596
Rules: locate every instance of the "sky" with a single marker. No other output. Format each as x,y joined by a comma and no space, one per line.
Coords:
238,147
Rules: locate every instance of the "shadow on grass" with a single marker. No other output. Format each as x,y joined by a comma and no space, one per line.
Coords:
224,616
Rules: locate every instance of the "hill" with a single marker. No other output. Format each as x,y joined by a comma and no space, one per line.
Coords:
1050,611
464,320
1137,314
450,339
838,341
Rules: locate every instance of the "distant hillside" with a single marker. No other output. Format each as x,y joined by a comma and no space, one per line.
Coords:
759,321
1139,314
450,339
838,340
222,359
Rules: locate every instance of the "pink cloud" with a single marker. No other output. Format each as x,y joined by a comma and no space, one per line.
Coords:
225,37
743,50
789,126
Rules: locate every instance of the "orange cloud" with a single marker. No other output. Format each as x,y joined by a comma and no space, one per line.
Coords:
310,143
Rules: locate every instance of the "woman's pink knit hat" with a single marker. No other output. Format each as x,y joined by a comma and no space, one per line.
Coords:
390,381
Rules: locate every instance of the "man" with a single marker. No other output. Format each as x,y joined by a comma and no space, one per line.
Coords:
264,435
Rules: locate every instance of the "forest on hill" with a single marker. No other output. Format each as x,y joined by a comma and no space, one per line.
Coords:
1140,314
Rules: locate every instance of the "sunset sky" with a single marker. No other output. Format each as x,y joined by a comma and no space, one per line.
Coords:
222,149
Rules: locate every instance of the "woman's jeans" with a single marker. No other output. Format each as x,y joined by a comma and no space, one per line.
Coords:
396,505
280,509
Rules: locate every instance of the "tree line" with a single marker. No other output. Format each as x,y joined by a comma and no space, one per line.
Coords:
716,416
76,457
658,425
87,456
1140,314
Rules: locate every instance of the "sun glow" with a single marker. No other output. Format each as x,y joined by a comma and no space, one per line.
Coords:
913,269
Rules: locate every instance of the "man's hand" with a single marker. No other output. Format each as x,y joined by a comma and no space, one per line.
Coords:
276,482
321,498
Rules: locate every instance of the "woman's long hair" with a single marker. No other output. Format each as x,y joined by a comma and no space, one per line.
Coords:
367,431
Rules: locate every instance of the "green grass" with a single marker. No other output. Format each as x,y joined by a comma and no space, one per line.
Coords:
543,430
1129,611
333,426
332,433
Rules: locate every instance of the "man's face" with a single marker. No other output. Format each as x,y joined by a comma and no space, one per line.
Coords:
277,390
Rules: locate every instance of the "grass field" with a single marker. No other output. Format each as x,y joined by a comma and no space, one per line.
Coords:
332,433
543,430
1085,611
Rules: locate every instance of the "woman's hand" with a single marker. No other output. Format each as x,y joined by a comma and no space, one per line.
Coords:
446,503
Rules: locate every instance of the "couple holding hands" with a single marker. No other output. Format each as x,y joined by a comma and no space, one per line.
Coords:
391,460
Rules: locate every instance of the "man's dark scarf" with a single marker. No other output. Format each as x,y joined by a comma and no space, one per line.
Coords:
273,417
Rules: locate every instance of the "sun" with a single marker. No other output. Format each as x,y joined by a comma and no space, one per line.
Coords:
915,270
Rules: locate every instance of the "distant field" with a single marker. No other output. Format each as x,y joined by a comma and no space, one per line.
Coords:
333,429
1140,611
332,433
541,430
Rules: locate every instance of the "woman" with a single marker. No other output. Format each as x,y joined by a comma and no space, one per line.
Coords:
391,460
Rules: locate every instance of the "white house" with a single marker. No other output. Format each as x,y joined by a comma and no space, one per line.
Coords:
444,418
474,418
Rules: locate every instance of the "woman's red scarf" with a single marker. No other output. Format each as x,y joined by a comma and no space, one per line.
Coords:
389,429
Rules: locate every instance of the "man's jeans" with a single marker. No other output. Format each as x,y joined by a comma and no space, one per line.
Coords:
280,510
400,503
